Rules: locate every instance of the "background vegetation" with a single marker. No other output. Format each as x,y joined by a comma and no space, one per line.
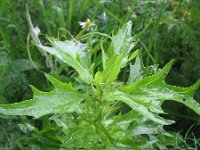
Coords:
169,29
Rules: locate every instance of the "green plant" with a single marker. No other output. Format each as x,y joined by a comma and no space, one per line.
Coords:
90,116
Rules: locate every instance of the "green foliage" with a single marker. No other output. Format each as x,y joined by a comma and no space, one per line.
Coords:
41,100
169,29
90,117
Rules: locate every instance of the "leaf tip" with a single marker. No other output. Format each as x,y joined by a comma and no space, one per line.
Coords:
34,89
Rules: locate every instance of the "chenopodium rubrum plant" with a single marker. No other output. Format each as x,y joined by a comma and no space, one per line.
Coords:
92,117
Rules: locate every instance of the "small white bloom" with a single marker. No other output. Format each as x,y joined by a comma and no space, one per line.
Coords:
87,23
134,15
36,31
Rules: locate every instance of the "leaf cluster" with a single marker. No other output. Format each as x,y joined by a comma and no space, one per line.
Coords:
91,117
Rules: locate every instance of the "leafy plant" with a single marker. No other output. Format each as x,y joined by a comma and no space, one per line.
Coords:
90,116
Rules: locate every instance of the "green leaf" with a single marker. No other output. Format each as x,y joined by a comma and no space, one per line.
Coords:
159,76
133,55
98,79
104,58
154,88
112,70
71,47
67,51
117,54
147,95
64,98
122,41
123,97
136,70
122,44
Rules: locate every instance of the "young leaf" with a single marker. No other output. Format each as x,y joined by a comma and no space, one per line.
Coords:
135,70
121,45
122,41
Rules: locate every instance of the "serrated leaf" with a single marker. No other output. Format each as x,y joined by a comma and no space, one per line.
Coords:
147,95
67,52
122,40
160,75
121,45
64,98
138,71
135,70
153,88
123,97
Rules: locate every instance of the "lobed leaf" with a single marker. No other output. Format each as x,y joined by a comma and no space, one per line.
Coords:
64,98
160,75
146,95
122,41
135,70
67,52
123,97
154,88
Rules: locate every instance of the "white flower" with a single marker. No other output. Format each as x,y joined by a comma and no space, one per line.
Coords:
36,31
87,23
134,15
